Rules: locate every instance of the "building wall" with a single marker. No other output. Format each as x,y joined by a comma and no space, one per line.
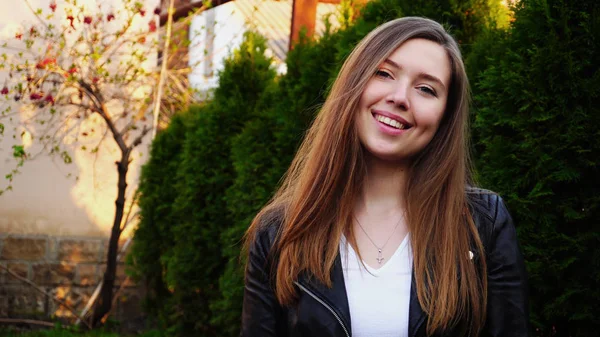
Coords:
229,21
55,223
48,196
66,267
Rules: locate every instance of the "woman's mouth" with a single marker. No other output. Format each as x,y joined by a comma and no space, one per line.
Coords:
396,123
391,122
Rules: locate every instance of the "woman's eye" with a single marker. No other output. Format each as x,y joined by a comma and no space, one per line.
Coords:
383,73
428,91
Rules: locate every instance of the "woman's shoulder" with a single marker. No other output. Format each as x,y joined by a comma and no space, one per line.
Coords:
268,225
489,212
484,202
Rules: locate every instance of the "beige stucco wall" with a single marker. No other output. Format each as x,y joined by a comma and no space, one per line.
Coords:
48,196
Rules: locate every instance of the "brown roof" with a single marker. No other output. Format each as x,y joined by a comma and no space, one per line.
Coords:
183,10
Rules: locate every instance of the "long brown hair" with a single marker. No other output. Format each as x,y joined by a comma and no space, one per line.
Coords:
319,190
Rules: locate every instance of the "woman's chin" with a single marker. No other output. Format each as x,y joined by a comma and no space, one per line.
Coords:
387,157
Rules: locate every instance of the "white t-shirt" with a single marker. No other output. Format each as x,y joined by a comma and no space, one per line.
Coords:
378,298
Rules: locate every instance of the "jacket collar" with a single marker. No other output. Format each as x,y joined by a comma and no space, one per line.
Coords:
337,298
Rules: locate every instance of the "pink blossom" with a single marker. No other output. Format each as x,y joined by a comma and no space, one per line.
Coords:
45,62
49,98
71,18
35,96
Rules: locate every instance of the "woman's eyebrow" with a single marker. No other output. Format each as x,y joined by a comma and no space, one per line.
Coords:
420,75
431,78
392,63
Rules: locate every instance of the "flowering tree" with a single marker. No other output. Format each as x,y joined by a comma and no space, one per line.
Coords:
84,73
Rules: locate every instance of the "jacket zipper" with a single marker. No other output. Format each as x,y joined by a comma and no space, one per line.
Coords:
325,305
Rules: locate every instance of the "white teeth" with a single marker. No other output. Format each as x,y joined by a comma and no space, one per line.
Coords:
390,122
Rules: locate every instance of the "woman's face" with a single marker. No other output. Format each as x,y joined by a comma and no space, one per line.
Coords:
403,103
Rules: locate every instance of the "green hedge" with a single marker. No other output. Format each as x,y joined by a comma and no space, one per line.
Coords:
64,332
216,166
205,173
153,237
185,179
539,146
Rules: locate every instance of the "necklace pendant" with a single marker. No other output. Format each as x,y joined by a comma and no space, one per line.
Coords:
379,256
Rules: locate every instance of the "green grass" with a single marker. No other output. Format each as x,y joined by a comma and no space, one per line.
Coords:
55,333
60,332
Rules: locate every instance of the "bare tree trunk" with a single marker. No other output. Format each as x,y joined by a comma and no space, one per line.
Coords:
104,304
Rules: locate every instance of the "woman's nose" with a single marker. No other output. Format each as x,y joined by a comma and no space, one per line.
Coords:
398,95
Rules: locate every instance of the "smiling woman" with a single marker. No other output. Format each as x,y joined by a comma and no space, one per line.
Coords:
401,106
377,229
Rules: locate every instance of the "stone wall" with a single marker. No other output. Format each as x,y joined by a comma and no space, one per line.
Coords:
69,268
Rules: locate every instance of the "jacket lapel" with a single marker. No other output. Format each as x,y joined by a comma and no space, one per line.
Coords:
416,316
335,296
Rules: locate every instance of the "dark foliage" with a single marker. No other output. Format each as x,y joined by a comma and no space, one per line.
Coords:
196,210
153,236
539,147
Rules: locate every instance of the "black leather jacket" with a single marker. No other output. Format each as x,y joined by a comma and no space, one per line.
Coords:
322,311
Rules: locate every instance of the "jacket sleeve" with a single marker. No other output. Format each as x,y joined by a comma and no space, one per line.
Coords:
261,310
508,307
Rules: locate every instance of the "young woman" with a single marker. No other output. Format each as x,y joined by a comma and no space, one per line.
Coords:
376,230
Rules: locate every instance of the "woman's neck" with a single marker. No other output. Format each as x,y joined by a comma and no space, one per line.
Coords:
384,187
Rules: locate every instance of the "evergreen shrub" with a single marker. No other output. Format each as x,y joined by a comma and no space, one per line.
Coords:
197,261
539,147
197,178
153,236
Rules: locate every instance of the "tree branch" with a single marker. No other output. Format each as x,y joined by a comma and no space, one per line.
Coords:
103,112
123,41
35,14
27,321
115,298
139,138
